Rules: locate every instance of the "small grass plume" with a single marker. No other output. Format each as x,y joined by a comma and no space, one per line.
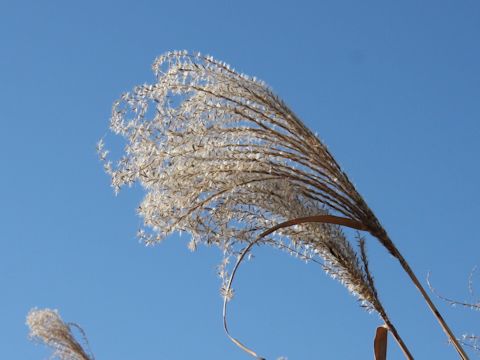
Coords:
223,158
46,326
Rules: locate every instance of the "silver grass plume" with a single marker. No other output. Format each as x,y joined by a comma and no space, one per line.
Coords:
46,326
223,158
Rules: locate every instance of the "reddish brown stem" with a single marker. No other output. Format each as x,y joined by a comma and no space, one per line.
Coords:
384,239
380,343
430,303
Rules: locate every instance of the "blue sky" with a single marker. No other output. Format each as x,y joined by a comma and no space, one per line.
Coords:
391,87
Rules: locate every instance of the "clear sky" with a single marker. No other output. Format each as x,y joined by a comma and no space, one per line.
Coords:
393,89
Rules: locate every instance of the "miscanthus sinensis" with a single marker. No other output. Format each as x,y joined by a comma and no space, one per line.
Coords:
223,158
47,326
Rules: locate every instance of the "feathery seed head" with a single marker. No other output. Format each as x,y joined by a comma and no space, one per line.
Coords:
47,326
223,158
